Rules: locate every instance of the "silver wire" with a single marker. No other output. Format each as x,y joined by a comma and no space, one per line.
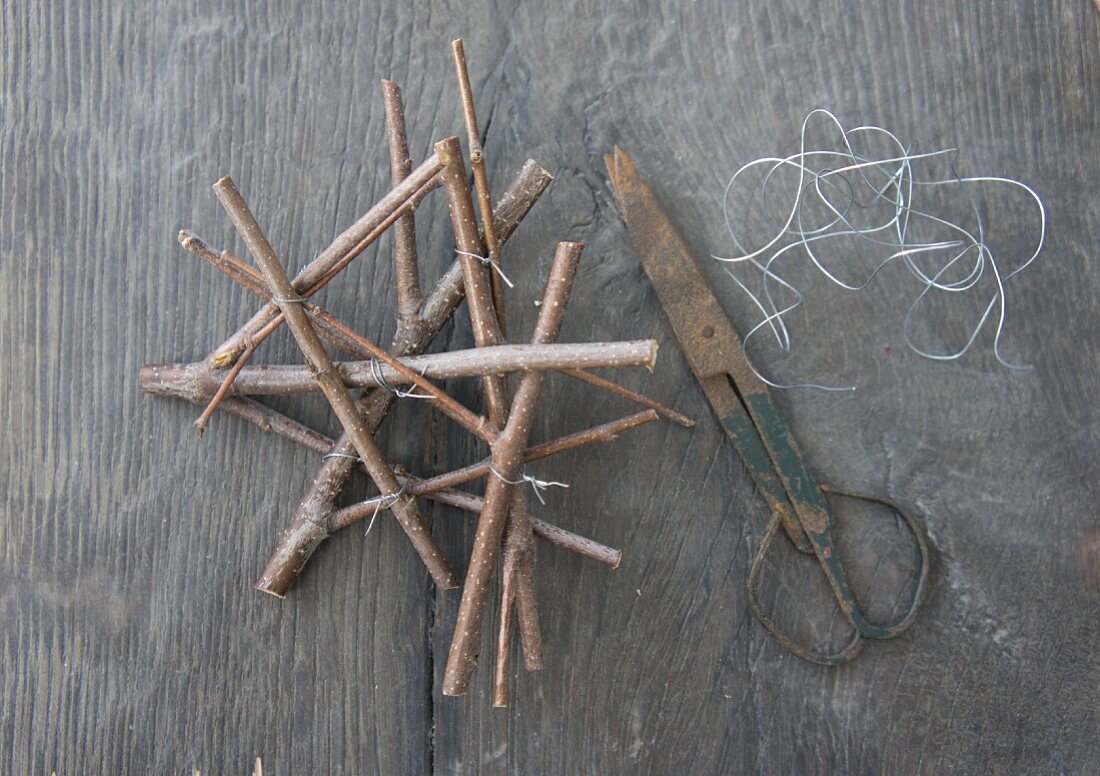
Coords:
488,262
845,184
536,484
384,502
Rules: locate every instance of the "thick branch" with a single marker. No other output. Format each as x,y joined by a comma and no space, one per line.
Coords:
195,380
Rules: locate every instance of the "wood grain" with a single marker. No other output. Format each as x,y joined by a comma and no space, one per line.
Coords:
130,640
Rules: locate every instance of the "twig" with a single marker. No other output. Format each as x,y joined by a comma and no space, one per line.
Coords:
404,231
626,393
308,527
481,177
232,266
507,457
426,487
605,432
195,379
251,279
567,540
285,295
518,543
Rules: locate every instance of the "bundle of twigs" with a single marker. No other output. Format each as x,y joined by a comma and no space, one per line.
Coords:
505,530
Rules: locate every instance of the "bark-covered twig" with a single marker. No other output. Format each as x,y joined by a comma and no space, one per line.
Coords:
605,432
339,252
676,417
196,381
481,177
404,231
250,278
507,457
567,540
308,528
286,297
329,328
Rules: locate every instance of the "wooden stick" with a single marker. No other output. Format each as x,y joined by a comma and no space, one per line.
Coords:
506,458
344,248
286,297
481,177
308,527
409,296
606,432
626,393
195,379
250,278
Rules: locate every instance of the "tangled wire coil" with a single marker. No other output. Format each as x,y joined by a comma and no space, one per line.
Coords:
877,199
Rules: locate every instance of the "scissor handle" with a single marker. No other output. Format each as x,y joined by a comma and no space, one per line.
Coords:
889,630
840,657
850,606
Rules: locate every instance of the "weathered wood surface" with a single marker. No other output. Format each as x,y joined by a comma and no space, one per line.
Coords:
130,638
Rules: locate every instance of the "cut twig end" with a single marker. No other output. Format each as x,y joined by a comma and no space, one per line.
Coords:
269,591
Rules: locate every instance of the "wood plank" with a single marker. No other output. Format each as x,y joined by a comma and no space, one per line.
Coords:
130,638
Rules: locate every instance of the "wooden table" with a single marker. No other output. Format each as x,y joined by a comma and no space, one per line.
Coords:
130,637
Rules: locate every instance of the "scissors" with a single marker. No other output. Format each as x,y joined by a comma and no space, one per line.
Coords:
751,419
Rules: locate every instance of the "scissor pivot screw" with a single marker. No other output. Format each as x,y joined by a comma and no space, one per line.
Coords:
708,331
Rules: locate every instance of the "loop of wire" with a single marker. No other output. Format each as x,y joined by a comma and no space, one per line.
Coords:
384,502
836,186
351,456
537,485
404,393
289,299
488,262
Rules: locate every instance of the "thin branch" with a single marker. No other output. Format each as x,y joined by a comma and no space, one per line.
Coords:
250,278
606,432
353,241
330,328
409,297
427,487
481,176
676,417
285,295
341,251
272,421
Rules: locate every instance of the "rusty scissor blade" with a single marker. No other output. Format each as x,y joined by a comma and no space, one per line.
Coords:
707,338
